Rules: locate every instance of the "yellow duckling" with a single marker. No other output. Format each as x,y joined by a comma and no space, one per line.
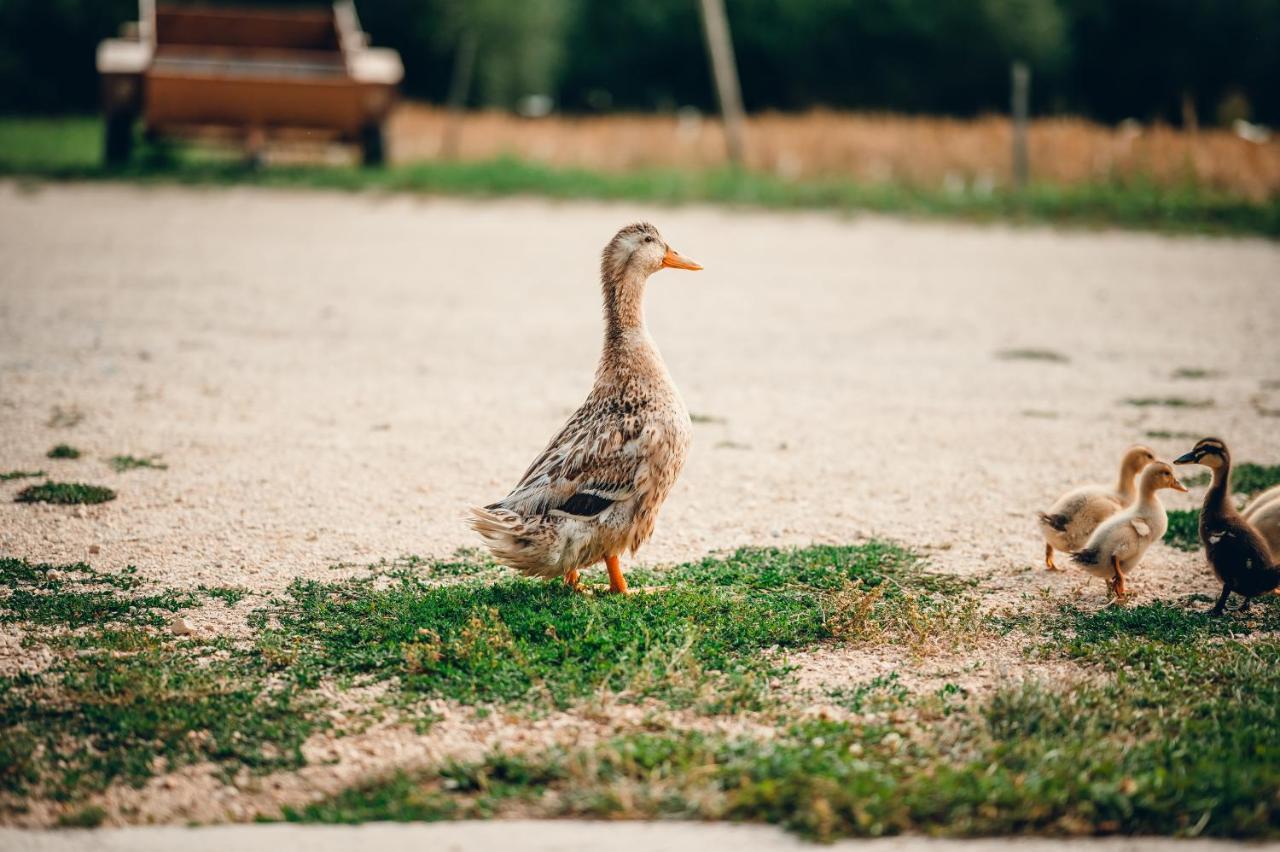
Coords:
596,489
1117,545
1076,514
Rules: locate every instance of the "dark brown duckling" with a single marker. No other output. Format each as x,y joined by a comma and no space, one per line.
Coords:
1235,550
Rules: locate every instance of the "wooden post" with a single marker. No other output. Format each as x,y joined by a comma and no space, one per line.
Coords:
463,64
1020,107
724,69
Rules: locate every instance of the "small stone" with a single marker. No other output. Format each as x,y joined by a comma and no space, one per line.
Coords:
179,627
94,549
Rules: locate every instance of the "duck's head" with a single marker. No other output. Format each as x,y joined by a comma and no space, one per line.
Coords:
1160,475
640,248
1210,452
1136,458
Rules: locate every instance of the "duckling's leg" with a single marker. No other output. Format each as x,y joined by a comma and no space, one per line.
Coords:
1048,557
617,582
1117,582
1244,607
571,579
1221,605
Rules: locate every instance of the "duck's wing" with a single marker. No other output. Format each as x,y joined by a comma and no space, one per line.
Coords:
1141,527
591,464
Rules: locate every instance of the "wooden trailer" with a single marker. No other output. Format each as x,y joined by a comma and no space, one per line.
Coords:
248,73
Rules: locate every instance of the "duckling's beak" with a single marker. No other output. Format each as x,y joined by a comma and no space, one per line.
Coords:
1178,486
1187,458
675,260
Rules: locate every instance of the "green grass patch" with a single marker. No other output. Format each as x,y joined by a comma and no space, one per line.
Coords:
1045,355
1184,529
1167,434
70,149
63,451
1249,478
65,493
11,475
120,464
706,639
1168,402
1138,752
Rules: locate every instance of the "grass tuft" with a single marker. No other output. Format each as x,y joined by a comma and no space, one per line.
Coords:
65,493
1047,355
1169,402
20,474
120,464
1184,529
63,451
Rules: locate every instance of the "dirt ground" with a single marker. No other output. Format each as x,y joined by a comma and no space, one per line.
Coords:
333,379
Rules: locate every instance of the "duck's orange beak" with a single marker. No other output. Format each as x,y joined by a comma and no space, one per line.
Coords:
675,260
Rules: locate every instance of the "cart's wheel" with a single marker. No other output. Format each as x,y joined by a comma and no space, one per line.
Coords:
118,144
373,150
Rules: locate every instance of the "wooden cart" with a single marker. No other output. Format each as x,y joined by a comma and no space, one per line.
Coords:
251,73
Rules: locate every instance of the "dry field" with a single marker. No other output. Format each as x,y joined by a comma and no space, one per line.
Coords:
866,147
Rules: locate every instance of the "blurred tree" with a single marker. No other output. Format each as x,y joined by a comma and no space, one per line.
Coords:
1110,59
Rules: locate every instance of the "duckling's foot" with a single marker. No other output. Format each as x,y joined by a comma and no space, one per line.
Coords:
1048,558
617,582
571,580
1117,582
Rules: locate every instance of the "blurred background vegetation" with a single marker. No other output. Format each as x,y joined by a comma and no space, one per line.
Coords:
1103,59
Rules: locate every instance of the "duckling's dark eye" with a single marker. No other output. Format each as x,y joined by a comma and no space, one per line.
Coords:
648,239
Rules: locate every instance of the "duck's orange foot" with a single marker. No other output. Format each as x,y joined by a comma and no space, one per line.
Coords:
617,582
571,579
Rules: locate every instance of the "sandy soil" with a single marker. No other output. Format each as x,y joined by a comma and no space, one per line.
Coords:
335,378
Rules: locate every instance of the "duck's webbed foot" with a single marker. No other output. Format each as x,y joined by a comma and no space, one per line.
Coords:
1117,582
617,582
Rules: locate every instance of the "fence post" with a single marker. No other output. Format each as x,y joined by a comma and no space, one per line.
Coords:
715,26
1020,106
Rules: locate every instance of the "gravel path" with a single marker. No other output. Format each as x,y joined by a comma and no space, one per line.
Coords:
334,378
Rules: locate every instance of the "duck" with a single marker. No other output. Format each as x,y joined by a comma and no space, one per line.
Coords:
1118,544
1263,514
1236,551
1075,515
595,490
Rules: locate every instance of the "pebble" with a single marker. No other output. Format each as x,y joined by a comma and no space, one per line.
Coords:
179,627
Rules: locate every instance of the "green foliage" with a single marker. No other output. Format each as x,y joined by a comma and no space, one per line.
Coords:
65,493
60,451
1048,355
90,816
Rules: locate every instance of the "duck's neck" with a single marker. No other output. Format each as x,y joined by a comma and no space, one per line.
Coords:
1126,485
624,310
1216,498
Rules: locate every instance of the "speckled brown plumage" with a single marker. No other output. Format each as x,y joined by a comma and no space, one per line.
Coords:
595,491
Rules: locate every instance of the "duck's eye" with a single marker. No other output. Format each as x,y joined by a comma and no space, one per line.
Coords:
648,239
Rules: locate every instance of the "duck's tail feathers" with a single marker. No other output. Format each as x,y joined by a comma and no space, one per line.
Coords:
1088,556
527,546
1057,522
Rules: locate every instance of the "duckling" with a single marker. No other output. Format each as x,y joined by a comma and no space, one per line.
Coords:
1117,545
1076,514
1263,514
1236,551
596,489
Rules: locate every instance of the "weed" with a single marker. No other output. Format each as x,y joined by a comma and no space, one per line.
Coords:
1047,355
1249,478
1166,434
63,451
1169,402
20,474
120,464
1195,373
65,493
90,816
